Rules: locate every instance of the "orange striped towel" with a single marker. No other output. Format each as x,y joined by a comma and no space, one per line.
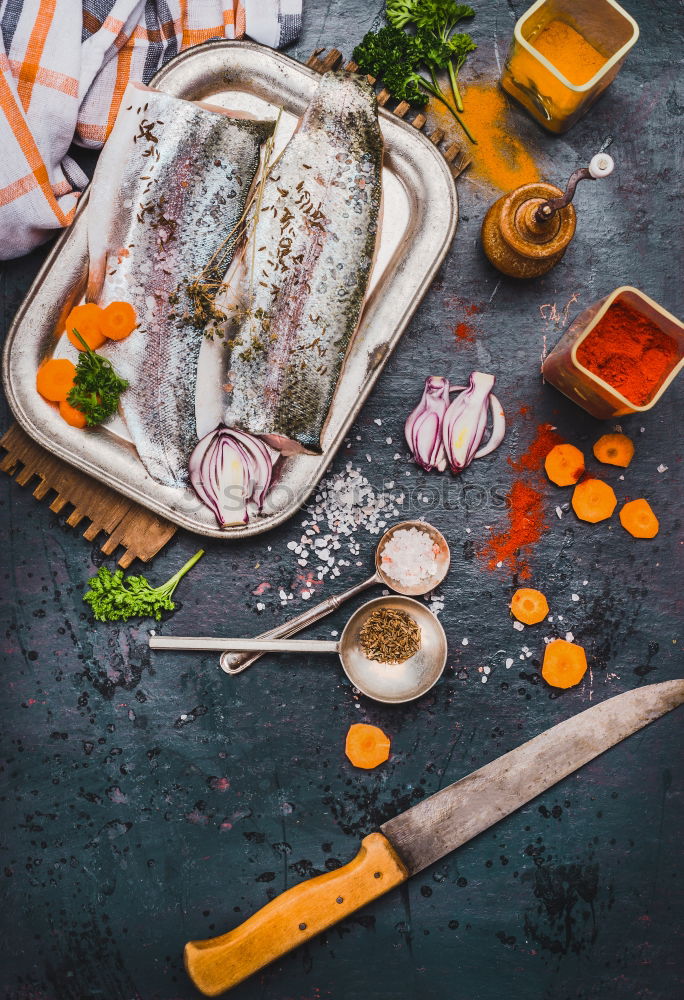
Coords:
62,77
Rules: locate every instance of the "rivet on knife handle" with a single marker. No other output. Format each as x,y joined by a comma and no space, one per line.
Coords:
219,963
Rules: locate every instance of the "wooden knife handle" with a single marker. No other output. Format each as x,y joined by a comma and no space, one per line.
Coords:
219,963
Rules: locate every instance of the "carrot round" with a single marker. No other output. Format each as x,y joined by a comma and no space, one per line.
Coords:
55,379
118,320
87,320
529,606
72,415
639,520
564,464
565,663
593,500
614,449
366,746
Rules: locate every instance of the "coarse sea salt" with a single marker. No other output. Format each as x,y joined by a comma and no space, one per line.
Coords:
409,557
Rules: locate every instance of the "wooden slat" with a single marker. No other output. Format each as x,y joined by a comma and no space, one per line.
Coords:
402,108
140,532
436,136
419,121
313,62
383,97
451,152
331,61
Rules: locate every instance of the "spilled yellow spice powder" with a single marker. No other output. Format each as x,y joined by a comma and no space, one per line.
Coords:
569,52
499,158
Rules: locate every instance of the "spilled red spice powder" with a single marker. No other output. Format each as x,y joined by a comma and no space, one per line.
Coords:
526,517
629,352
532,460
464,332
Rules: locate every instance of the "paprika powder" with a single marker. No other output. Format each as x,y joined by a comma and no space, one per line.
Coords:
629,352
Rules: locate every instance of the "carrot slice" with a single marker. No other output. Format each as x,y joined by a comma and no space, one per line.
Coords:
87,319
593,500
565,663
366,746
529,606
118,320
614,449
72,415
564,464
55,379
639,520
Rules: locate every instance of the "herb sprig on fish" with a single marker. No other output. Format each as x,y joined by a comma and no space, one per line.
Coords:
97,387
203,288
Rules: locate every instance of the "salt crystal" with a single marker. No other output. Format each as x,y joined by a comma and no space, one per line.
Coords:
575,597
260,605
519,626
509,662
584,583
464,642
292,546
409,557
662,468
499,564
488,670
483,679
559,512
569,637
306,594
378,422
396,456
368,458
388,440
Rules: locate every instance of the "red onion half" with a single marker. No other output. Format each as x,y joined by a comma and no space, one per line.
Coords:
438,432
230,469
465,422
423,427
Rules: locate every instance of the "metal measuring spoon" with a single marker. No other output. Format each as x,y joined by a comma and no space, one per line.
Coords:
393,683
235,663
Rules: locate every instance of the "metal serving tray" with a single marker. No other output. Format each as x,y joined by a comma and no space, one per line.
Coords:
419,221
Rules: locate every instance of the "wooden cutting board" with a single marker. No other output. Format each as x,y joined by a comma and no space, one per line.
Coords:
138,531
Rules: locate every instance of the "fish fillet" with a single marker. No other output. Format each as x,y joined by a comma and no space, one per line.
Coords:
306,268
169,189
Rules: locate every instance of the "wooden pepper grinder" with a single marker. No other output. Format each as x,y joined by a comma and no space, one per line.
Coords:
526,232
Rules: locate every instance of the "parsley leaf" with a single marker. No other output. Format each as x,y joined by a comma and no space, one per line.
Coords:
97,387
114,599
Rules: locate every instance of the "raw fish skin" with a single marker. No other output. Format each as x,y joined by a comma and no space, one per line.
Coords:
306,268
169,189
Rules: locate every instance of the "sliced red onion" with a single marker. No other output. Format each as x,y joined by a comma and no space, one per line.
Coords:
423,428
465,423
210,472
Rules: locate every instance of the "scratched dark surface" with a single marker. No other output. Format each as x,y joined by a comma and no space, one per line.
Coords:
151,799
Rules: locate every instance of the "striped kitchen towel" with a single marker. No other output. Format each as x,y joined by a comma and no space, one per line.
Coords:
64,66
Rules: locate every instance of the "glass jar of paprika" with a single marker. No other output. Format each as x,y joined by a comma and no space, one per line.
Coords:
618,356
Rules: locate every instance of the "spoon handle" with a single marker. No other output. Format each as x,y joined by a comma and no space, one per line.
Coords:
201,642
235,663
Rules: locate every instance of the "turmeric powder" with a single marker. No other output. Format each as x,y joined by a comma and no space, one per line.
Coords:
569,52
500,157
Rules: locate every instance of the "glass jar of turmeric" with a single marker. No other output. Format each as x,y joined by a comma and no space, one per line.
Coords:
564,54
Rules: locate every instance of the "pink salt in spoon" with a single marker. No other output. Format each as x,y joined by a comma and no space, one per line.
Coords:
235,663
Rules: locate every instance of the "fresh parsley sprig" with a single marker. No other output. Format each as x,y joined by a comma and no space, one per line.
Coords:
97,387
394,56
435,22
114,599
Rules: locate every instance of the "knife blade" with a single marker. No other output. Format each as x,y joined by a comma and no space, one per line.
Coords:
423,834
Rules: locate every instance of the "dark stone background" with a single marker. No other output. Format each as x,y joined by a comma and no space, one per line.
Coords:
121,838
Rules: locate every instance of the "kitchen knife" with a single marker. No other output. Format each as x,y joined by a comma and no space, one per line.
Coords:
423,834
